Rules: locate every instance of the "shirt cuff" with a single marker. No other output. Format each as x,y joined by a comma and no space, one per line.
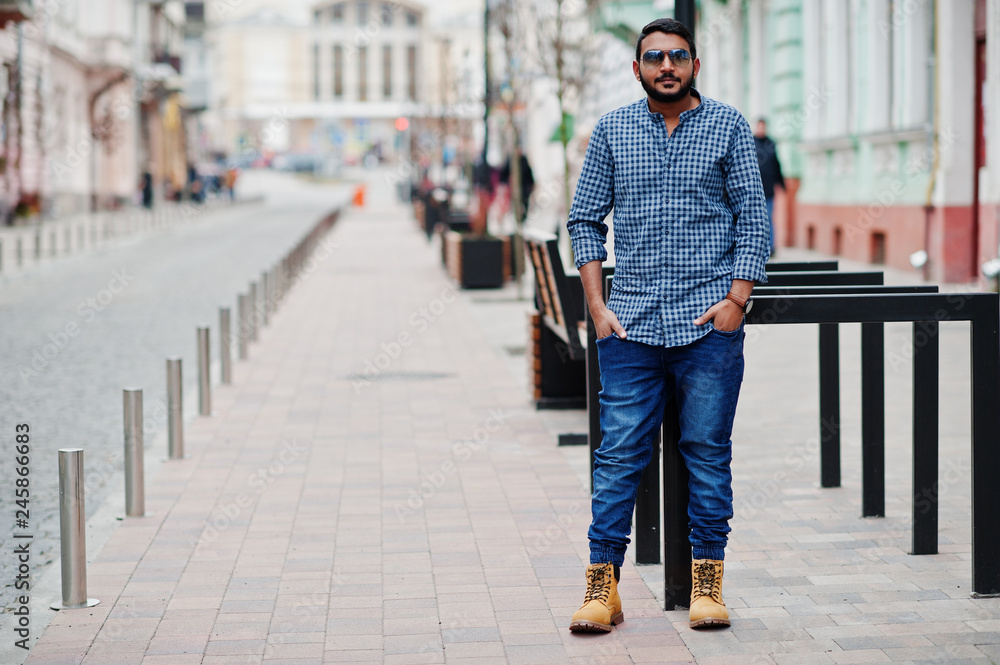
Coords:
586,247
750,270
584,253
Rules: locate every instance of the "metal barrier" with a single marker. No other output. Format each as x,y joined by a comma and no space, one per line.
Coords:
72,532
135,494
175,409
204,371
225,342
924,311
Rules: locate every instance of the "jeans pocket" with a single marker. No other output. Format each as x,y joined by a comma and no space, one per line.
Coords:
728,333
611,336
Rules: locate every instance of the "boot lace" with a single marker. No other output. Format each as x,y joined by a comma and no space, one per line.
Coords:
707,582
598,584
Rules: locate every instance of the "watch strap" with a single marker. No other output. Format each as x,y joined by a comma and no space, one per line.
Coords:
736,299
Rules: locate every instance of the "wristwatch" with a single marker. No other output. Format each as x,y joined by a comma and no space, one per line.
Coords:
745,305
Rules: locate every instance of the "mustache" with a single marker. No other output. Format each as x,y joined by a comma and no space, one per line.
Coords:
668,78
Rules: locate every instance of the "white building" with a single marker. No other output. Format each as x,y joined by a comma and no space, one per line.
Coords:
352,78
90,100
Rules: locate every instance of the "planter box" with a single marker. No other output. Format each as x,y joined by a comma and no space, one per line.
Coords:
475,262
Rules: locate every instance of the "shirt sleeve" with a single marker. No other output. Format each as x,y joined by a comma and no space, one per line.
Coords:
745,194
593,200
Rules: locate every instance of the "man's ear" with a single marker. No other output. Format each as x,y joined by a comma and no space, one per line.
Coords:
697,67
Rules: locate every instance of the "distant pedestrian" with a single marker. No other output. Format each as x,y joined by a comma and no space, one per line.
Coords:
229,182
770,172
146,186
527,182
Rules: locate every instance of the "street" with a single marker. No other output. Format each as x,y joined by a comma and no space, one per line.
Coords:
76,332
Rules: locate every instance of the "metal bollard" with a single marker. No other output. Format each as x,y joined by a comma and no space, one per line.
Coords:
265,294
72,532
175,409
135,493
225,345
204,375
252,312
242,325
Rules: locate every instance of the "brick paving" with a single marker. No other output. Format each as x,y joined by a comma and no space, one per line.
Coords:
376,487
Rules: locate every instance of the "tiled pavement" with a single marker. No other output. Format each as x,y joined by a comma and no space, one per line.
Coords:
376,487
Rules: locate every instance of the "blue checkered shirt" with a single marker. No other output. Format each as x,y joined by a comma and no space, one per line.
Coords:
689,215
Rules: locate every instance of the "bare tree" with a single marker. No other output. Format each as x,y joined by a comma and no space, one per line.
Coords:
567,53
506,18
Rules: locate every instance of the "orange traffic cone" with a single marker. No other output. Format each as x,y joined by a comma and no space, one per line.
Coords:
359,196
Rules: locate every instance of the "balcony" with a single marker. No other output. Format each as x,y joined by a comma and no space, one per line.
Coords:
161,57
15,11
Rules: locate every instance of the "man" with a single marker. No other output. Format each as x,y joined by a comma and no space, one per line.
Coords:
770,171
691,238
527,182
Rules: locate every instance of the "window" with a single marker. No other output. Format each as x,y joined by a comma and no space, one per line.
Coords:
386,14
316,65
411,73
363,74
878,248
411,19
318,17
338,71
387,71
362,14
338,14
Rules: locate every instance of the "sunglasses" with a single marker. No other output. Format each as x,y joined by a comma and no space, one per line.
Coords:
679,57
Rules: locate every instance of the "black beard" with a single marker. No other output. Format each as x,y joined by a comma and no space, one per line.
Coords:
667,97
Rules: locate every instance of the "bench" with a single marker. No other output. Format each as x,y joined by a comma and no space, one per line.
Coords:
556,355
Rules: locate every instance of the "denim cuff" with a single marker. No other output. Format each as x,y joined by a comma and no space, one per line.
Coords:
600,554
713,551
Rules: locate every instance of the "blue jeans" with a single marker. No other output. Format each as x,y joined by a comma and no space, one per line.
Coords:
637,380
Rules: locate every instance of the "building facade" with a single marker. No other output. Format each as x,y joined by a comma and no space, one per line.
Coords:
881,112
352,79
91,98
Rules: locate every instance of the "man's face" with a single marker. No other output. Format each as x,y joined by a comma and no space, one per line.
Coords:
666,83
761,130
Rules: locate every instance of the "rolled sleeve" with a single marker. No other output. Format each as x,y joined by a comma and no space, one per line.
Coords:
745,194
592,202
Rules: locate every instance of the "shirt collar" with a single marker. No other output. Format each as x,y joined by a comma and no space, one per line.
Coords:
653,115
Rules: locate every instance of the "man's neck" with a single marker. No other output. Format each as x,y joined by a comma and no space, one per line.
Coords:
672,110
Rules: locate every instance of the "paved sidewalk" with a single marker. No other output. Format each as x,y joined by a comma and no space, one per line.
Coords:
375,486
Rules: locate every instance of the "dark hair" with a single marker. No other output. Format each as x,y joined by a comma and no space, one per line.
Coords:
669,26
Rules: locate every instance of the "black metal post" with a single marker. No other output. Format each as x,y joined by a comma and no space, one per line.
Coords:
676,543
684,12
925,438
873,419
486,79
829,405
985,449
647,511
594,435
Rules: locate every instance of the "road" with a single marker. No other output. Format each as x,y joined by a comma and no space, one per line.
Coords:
74,333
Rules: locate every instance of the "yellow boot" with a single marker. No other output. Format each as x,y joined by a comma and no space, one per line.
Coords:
707,606
602,606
